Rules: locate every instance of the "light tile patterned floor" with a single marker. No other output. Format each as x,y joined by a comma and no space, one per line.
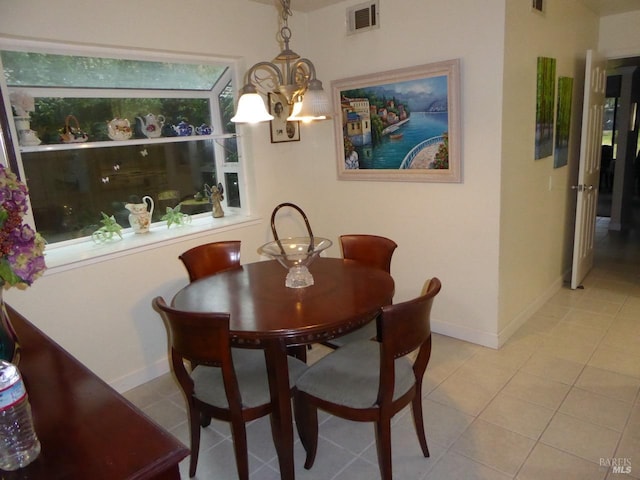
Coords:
560,397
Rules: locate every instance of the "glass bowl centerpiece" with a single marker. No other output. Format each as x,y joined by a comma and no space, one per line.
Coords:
296,254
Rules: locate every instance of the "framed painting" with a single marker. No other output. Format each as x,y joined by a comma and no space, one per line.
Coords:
563,121
281,129
400,125
545,97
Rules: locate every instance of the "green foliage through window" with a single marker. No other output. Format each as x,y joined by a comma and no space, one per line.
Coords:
30,69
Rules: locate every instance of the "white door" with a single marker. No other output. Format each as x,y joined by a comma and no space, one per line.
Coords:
589,169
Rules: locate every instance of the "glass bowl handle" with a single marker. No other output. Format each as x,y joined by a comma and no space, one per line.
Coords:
306,221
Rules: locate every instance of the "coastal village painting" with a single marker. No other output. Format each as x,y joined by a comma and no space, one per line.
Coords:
400,125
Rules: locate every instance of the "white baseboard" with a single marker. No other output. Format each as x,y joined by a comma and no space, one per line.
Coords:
134,379
461,332
528,312
492,340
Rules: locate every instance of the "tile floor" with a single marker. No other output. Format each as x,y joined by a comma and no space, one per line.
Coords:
557,400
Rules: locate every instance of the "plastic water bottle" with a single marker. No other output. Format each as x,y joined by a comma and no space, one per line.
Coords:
19,445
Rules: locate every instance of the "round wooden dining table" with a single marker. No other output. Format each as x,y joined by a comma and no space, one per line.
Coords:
264,313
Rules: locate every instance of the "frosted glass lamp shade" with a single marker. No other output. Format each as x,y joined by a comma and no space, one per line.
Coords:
251,109
314,105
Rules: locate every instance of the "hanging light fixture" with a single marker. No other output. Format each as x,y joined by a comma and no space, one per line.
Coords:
295,79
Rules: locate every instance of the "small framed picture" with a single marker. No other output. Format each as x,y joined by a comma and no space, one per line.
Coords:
281,130
537,6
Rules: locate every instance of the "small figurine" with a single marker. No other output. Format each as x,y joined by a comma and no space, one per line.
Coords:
216,197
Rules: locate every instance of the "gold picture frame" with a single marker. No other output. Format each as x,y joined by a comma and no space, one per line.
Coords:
400,125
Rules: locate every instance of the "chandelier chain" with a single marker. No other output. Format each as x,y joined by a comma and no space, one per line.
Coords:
285,31
286,10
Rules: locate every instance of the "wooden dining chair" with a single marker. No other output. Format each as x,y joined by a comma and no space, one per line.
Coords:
229,384
211,258
374,251
369,381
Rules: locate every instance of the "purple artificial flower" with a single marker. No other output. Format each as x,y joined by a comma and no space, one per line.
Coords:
21,247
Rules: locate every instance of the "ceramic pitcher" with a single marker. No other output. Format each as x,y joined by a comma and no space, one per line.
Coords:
150,125
140,216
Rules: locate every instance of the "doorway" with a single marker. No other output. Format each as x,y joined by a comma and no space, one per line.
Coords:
619,192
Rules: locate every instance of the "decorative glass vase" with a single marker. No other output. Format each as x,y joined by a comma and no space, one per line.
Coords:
9,348
296,254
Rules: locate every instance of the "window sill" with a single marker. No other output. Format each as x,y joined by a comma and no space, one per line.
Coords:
70,256
120,143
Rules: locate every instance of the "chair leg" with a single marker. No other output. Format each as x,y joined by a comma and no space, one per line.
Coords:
416,406
299,352
239,434
205,420
306,416
383,444
194,431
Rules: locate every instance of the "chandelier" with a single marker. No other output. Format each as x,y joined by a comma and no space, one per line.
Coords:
293,77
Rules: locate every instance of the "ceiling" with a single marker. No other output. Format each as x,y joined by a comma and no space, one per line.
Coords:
601,7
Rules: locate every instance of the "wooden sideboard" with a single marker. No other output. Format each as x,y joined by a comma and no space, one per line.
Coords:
87,430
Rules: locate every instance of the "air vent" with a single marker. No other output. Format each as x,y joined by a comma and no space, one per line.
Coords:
363,17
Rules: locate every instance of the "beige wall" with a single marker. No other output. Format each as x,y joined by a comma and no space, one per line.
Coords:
448,230
537,205
464,233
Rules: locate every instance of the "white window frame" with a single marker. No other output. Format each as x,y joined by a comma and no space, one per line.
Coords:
73,253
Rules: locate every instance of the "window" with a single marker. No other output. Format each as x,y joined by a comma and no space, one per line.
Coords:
174,141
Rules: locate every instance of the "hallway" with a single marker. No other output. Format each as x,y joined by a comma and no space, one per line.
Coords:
559,401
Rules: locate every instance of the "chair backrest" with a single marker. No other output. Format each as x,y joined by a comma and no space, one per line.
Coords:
211,258
371,250
200,337
403,328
